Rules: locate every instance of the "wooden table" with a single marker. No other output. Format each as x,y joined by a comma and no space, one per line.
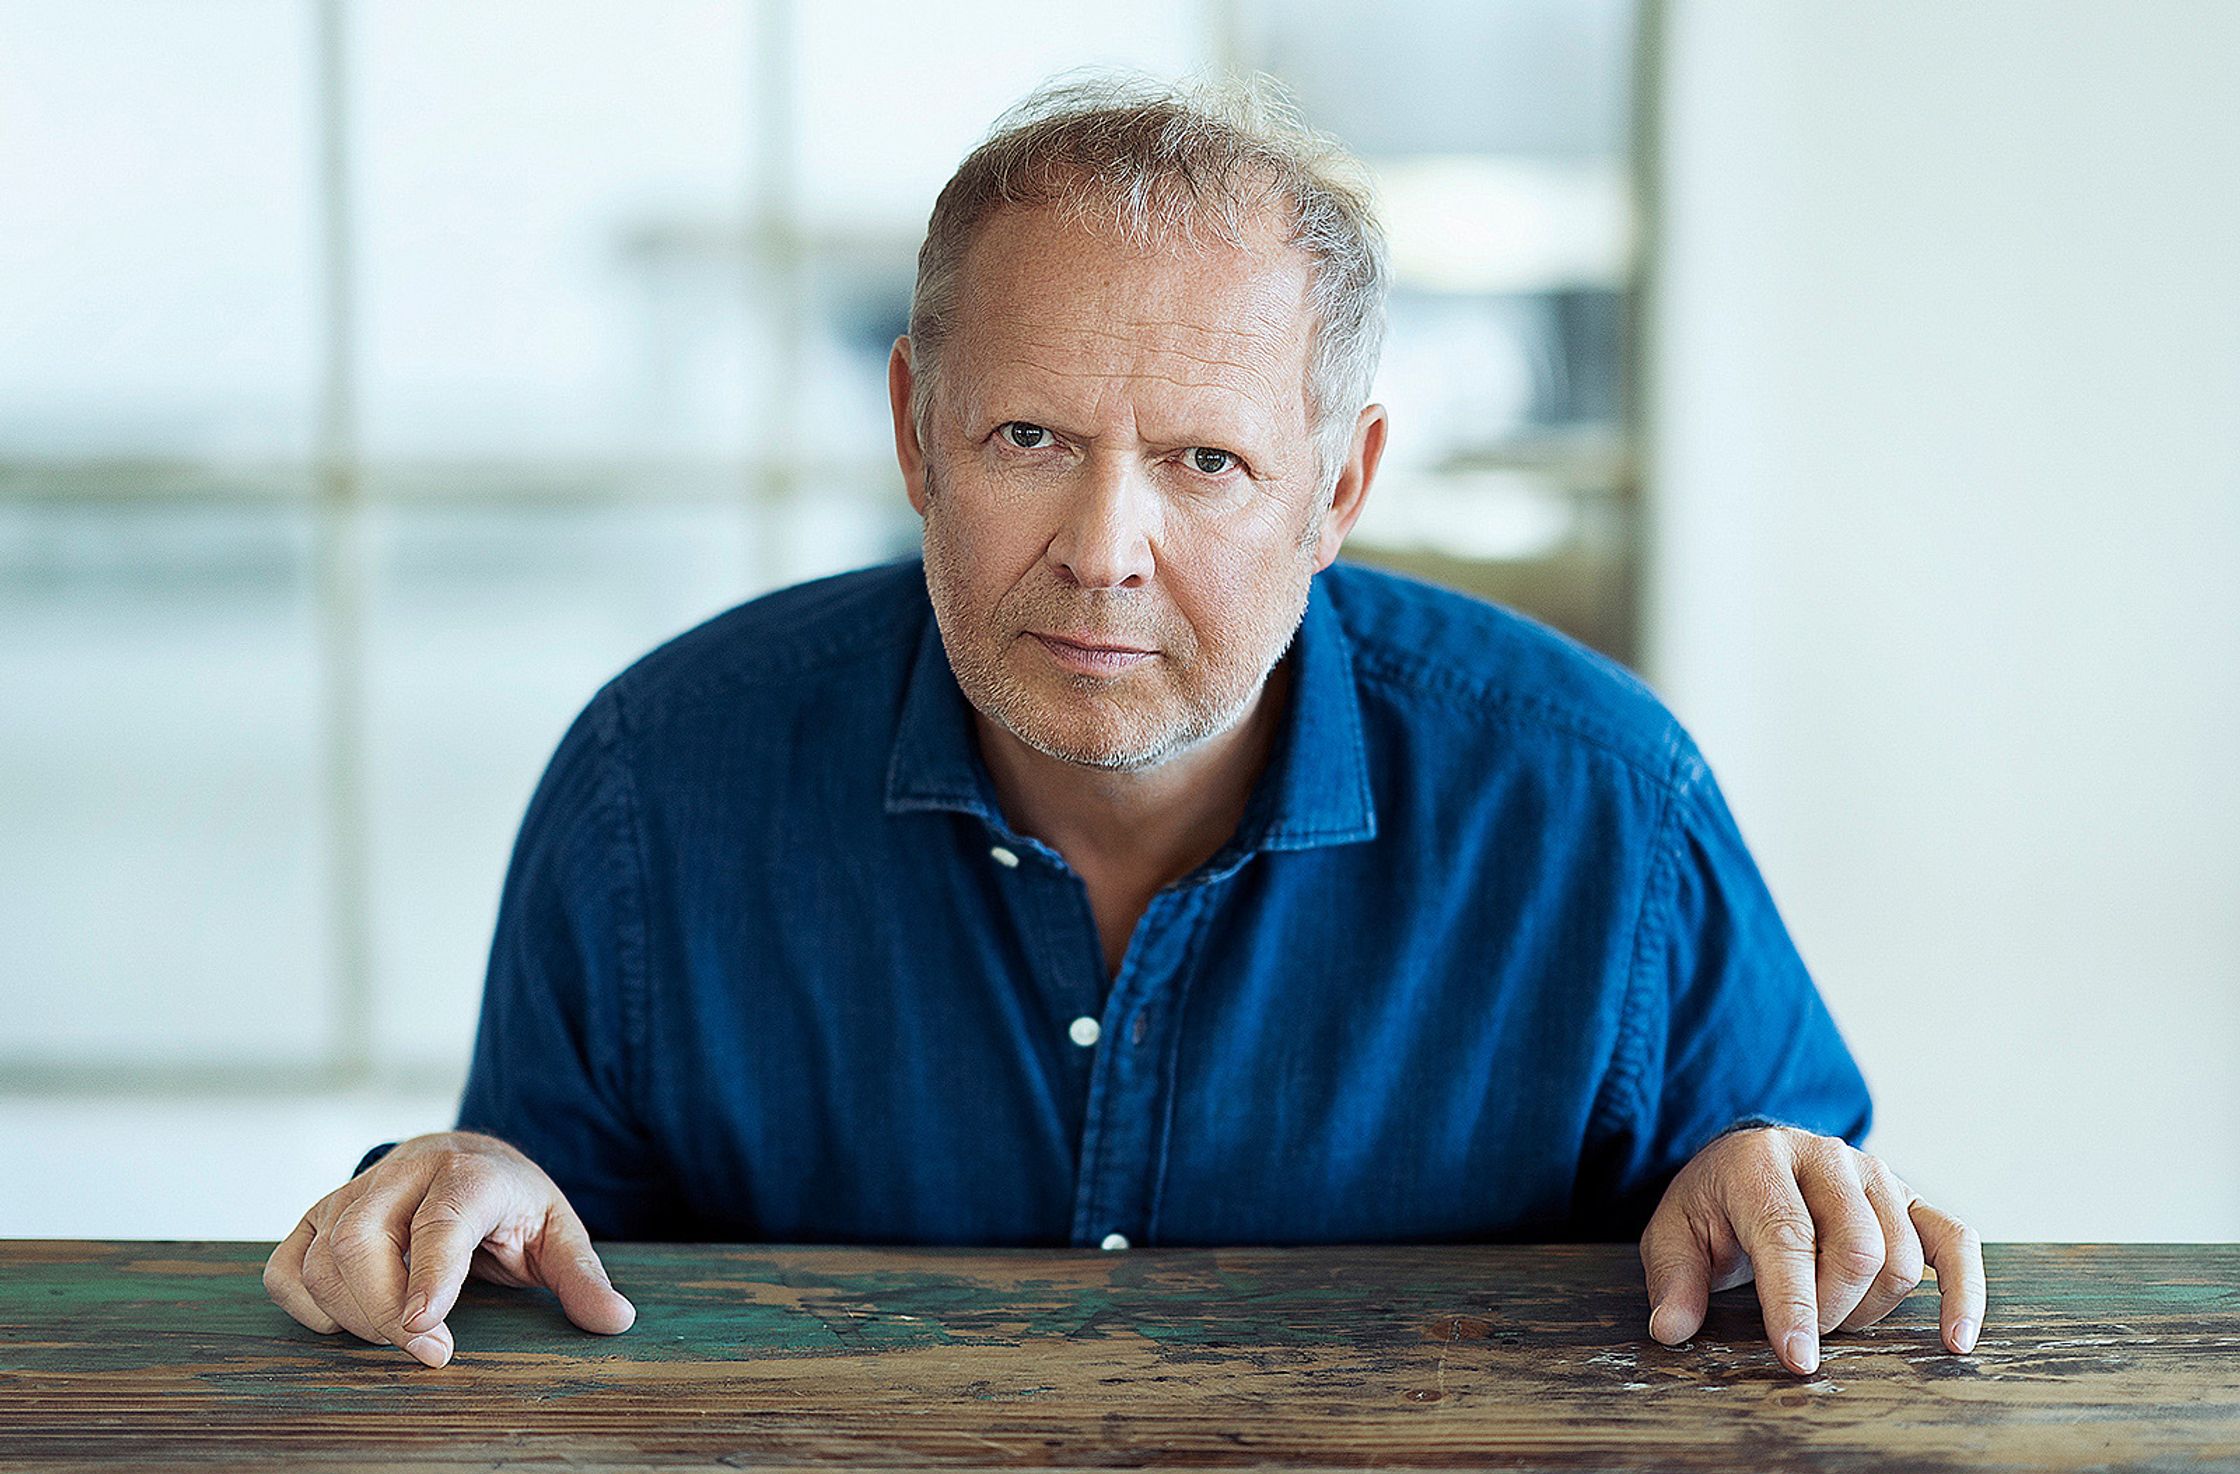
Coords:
169,1355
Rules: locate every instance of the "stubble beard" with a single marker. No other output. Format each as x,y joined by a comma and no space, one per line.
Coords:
978,656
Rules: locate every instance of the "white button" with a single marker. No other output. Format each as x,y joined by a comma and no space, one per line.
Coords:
1084,1031
1114,1241
1006,858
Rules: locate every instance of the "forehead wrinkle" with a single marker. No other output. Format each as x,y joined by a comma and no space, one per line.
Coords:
1256,364
1166,335
1249,374
1084,354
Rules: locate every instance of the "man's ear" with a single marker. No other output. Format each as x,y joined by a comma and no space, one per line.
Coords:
908,453
1352,490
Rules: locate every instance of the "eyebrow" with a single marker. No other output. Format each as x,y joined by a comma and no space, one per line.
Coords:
1220,427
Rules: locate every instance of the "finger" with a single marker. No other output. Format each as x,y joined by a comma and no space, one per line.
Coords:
1676,1259
1957,1253
323,1280
1777,1232
567,1265
1902,1255
369,1244
1848,1250
283,1281
462,1206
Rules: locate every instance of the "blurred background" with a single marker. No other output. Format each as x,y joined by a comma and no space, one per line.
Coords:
379,376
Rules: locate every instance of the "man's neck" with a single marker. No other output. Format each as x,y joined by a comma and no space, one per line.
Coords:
1151,825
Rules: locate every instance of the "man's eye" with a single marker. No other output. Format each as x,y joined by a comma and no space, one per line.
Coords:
1211,462
1024,435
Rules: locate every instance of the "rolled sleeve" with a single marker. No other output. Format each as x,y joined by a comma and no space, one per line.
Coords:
562,1017
1723,1026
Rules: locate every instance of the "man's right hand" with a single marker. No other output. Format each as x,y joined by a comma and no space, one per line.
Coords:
384,1255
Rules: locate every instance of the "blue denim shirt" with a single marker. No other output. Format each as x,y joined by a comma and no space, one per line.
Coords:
1486,958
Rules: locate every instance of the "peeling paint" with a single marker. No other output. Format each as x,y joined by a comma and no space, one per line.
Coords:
1388,1355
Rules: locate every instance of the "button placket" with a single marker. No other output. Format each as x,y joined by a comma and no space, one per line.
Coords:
1124,1116
1052,906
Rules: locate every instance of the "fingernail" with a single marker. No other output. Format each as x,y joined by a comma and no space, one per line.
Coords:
1964,1335
1804,1351
428,1349
412,1317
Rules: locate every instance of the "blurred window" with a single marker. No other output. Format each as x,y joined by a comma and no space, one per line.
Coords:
379,376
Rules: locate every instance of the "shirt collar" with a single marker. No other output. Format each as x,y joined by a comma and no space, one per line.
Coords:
1315,790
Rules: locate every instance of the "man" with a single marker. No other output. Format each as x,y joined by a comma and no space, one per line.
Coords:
1127,873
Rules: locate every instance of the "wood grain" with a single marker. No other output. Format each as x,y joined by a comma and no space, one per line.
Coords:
168,1355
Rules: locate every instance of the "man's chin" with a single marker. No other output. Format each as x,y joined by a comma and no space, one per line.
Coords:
1081,739
1101,750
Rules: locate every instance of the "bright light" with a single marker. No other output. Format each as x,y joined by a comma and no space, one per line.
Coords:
1467,224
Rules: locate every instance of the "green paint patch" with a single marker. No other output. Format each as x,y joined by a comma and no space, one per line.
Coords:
201,1308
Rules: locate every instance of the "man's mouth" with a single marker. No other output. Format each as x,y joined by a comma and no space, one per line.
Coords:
1097,643
1092,654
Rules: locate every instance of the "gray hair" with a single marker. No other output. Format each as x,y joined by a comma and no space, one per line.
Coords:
1157,161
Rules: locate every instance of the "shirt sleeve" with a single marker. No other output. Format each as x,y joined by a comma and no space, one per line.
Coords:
563,1004
1723,1027
372,1156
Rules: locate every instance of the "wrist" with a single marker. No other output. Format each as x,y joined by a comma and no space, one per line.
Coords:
1754,1123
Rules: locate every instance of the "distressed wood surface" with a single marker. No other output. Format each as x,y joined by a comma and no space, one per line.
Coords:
1524,1357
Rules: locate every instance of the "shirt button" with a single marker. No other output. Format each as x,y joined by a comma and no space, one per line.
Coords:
1084,1031
1114,1241
1008,859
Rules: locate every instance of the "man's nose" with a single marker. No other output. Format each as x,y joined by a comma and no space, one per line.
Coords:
1111,518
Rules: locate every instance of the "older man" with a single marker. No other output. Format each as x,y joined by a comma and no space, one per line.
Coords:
1127,873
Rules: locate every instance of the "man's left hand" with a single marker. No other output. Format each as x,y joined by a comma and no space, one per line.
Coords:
1833,1236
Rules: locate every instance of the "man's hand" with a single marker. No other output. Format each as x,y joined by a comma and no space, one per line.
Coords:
1835,1239
384,1255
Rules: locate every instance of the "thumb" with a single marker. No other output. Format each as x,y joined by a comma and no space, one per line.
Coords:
1677,1261
566,1264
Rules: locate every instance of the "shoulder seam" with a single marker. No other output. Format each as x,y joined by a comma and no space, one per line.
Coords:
1494,704
654,677
827,657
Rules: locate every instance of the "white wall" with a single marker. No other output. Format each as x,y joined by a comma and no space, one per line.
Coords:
1947,457
191,1167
